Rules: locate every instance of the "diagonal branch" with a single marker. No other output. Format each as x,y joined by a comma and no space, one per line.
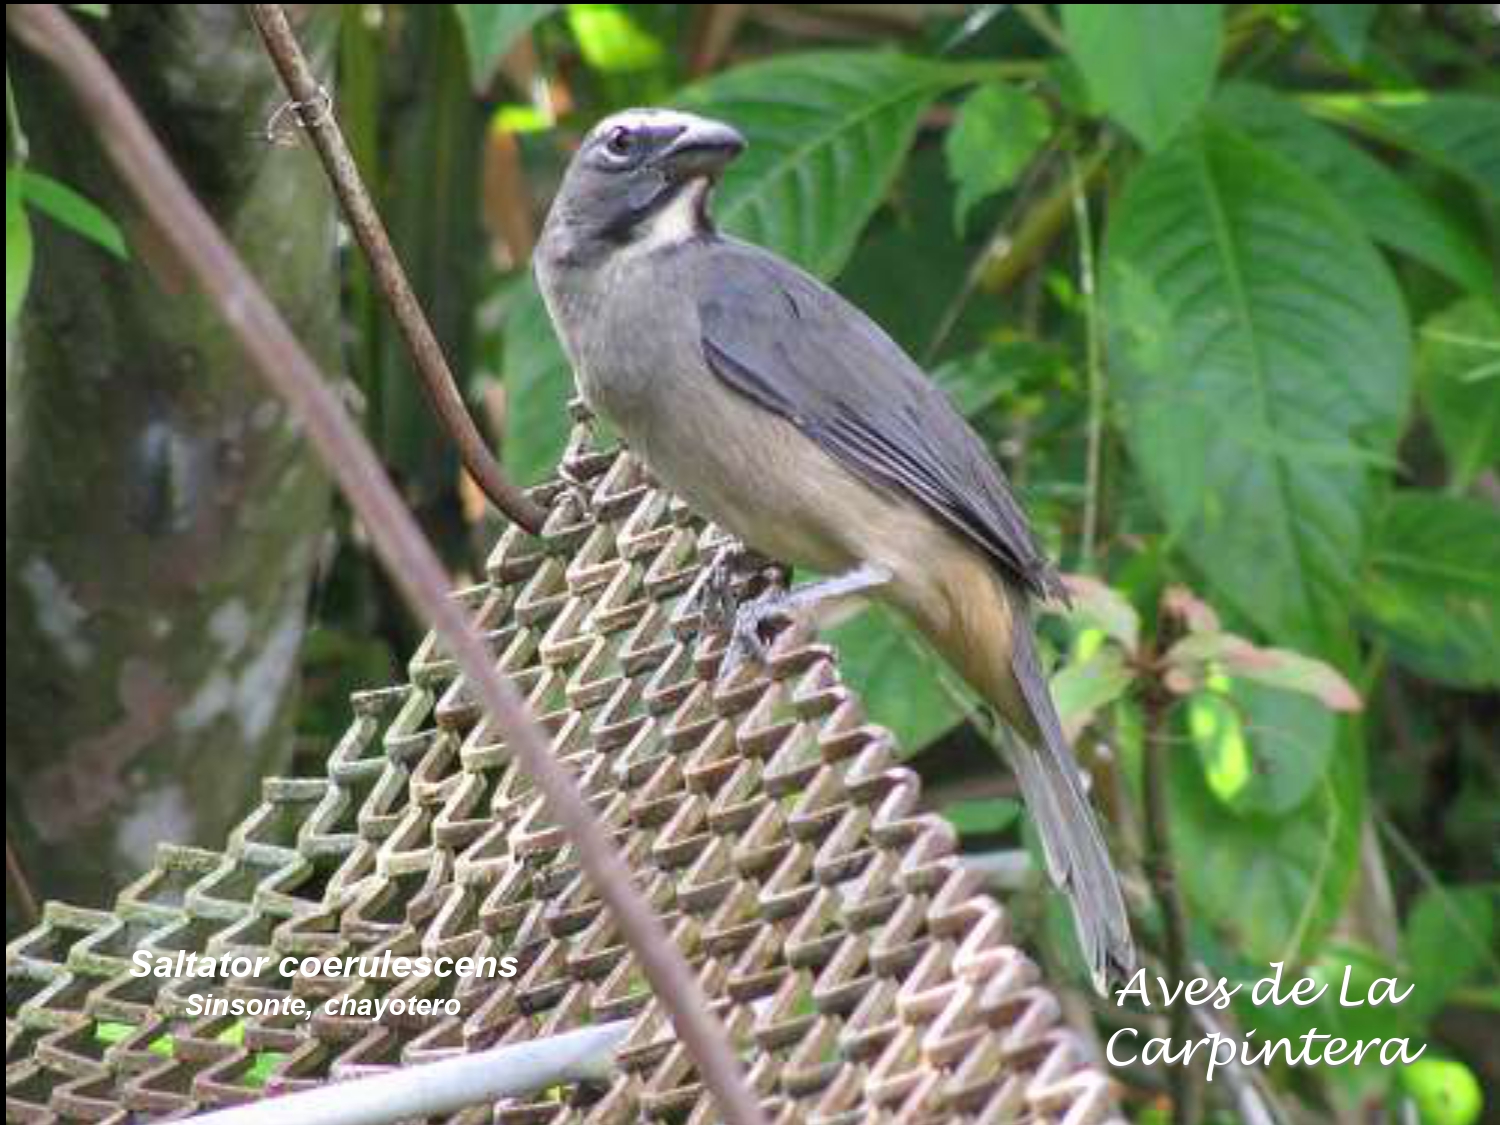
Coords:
192,237
427,357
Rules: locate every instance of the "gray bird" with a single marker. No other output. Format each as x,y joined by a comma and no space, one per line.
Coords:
784,414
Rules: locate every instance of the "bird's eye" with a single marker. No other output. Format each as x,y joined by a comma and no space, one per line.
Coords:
620,142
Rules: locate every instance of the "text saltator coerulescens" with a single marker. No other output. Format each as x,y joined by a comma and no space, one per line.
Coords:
784,414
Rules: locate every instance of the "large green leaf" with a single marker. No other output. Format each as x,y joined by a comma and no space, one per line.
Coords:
1260,350
1149,66
1457,132
613,40
1346,25
998,130
490,30
1458,379
1388,207
1433,587
1263,749
827,133
1271,883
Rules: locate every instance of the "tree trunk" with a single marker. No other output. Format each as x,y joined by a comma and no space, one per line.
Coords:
163,515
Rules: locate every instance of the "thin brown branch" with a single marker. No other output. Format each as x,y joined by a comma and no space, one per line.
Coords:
1187,1093
20,884
192,237
710,35
1043,223
320,122
507,198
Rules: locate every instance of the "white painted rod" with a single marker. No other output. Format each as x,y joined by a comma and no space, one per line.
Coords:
587,1054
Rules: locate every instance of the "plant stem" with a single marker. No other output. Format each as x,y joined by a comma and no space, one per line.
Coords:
321,125
1043,223
1187,1100
1094,361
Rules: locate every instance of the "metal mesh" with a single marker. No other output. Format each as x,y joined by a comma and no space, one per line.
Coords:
861,972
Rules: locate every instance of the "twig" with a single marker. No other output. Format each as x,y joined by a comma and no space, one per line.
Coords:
1094,359
710,35
993,248
15,875
188,233
432,1089
1044,222
426,353
1254,1100
507,197
1186,1093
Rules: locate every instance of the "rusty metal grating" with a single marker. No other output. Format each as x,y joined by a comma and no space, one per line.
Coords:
861,971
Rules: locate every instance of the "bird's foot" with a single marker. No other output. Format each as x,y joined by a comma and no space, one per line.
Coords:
748,639
717,597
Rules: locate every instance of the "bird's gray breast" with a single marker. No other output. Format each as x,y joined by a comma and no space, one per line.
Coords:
631,330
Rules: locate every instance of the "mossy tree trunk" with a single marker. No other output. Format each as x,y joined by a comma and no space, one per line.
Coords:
163,515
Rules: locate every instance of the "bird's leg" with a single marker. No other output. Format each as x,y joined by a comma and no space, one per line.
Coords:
716,594
747,641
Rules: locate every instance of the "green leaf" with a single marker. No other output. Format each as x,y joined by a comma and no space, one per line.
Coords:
977,381
998,130
490,30
538,385
65,206
1450,940
1390,209
1275,667
1082,689
1149,66
982,817
827,132
1456,132
1346,25
896,677
1263,749
1097,606
1458,380
1270,884
612,40
1433,587
18,248
1260,350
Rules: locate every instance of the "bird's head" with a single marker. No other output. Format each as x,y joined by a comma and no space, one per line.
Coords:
641,174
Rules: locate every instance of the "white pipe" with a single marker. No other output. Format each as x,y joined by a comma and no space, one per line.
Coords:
587,1054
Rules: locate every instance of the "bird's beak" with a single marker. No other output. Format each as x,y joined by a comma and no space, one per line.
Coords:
704,148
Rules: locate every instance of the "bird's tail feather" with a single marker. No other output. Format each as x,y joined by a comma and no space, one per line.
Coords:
1077,859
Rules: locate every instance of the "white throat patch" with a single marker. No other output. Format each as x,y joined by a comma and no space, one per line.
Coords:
675,223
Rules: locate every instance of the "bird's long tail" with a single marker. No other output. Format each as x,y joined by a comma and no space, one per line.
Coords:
1077,859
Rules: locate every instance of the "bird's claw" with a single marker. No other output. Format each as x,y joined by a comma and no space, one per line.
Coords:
716,597
748,643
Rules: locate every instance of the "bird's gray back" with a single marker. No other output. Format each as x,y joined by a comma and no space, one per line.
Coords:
793,345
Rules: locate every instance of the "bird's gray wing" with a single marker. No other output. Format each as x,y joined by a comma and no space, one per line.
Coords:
791,344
